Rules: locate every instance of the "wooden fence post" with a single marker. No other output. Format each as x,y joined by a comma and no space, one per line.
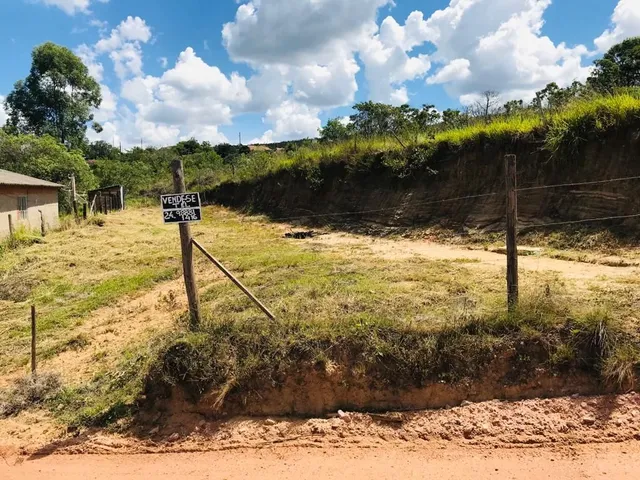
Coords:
105,208
187,250
512,225
84,211
74,196
10,226
43,230
33,339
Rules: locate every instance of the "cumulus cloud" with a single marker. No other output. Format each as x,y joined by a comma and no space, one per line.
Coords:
457,69
312,61
70,7
290,120
192,99
625,23
388,64
3,114
320,29
504,51
88,57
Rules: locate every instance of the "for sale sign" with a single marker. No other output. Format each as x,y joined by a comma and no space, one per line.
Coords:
181,208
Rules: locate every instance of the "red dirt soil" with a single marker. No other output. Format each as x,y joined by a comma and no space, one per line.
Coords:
616,461
571,437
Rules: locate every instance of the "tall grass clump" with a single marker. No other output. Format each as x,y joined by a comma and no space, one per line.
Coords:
583,119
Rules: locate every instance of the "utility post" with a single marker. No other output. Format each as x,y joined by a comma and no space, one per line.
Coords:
74,195
187,250
512,225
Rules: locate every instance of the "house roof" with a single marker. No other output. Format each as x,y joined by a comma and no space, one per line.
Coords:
12,178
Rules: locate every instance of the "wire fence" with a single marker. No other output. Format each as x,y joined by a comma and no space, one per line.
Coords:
401,206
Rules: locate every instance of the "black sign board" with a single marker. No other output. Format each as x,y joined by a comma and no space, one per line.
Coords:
181,208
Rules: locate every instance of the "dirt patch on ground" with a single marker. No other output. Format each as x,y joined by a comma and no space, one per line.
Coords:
560,421
100,340
403,249
427,460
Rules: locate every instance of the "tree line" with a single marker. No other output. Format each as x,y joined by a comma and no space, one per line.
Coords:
50,111
618,69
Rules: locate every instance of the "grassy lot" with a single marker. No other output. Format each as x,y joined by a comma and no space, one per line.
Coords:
405,320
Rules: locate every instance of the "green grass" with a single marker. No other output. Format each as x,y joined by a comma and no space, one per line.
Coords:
237,357
402,321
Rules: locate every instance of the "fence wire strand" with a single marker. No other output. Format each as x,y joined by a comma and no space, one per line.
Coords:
586,220
398,207
579,184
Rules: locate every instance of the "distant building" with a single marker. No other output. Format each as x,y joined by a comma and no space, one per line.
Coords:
24,198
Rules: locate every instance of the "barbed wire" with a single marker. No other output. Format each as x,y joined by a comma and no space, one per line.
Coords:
398,207
578,184
586,220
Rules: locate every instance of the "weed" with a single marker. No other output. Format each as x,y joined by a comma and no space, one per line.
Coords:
620,368
29,391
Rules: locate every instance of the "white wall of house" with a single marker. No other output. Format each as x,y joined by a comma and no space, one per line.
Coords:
38,199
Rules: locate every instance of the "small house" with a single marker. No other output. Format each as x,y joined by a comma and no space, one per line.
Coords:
27,201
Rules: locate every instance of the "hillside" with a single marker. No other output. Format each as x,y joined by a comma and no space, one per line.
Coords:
427,183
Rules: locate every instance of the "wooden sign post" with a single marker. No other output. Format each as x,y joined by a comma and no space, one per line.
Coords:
512,225
181,208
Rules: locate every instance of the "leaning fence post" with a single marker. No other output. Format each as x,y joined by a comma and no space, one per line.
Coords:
33,339
10,226
512,225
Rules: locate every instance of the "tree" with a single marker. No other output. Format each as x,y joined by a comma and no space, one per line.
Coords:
56,98
226,150
487,105
100,149
44,157
620,67
513,106
335,130
454,119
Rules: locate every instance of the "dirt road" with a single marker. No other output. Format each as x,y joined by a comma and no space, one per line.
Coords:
619,461
400,249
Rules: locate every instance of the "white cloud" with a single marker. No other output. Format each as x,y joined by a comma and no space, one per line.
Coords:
290,120
625,23
108,106
133,29
70,7
88,57
3,114
127,60
192,99
305,29
208,133
164,63
457,69
206,45
505,51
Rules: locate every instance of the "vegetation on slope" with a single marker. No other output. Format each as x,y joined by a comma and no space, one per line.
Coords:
400,321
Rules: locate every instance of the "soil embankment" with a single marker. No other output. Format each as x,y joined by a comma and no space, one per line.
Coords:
404,200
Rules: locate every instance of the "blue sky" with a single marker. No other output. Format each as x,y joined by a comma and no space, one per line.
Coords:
280,68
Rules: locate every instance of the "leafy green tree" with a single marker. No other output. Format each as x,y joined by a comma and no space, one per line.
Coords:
225,150
454,119
44,157
100,150
192,146
620,67
513,107
335,130
56,98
